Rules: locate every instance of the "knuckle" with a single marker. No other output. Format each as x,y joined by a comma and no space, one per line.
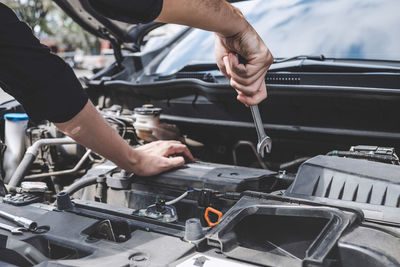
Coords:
241,73
247,82
264,94
270,59
233,84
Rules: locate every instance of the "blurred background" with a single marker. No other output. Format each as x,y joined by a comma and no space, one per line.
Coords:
81,50
84,52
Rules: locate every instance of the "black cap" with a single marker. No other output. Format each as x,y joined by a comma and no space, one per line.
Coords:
64,201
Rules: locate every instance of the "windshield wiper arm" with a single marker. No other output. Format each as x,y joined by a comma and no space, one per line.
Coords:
323,64
312,57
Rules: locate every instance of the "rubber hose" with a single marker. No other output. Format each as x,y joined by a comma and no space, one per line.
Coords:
21,170
82,183
293,163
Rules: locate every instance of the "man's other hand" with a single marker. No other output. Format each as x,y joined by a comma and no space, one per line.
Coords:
160,156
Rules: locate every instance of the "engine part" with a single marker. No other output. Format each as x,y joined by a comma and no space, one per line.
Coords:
176,200
193,230
122,121
373,153
63,172
264,229
160,211
30,156
23,199
2,150
372,186
81,183
213,185
252,147
207,214
24,222
264,141
29,187
149,128
15,127
218,177
147,118
119,179
64,201
103,230
30,192
293,163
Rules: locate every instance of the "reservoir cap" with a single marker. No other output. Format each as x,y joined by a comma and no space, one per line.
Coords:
16,117
148,109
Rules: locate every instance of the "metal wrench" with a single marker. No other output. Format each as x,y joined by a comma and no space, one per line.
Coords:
21,221
264,141
14,230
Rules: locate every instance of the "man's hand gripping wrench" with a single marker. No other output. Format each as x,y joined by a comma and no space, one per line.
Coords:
264,141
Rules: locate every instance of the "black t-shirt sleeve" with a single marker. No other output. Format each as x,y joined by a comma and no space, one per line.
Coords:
43,83
130,11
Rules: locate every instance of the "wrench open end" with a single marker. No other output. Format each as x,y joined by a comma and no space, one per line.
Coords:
264,145
18,231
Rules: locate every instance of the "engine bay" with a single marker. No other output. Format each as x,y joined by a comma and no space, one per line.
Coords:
230,207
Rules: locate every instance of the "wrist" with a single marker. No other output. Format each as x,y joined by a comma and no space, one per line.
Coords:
133,158
236,26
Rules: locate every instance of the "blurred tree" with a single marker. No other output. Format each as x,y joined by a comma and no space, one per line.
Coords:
71,36
33,12
49,22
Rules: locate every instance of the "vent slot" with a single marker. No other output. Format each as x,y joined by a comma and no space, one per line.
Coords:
282,79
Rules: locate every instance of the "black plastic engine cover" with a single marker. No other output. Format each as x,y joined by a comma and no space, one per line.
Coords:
372,186
200,175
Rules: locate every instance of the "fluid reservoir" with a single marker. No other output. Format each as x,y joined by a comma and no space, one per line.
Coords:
149,128
147,119
14,135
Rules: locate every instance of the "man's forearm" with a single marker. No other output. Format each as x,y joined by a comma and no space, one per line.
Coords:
212,15
91,130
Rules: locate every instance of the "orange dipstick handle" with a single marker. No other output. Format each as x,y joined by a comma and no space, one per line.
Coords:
212,210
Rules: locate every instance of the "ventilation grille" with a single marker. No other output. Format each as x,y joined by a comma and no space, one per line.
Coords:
376,193
208,77
350,180
282,79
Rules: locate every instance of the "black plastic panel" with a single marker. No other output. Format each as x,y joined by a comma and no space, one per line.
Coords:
372,186
217,177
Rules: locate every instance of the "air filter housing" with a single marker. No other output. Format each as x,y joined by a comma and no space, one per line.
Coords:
371,186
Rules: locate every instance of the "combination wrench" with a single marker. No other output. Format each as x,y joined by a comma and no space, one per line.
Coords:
264,141
14,230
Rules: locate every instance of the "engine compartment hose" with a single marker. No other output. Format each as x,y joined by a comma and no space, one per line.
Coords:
362,155
63,172
293,163
82,183
21,170
29,158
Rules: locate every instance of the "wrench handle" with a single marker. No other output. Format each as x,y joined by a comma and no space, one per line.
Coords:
6,227
21,221
258,122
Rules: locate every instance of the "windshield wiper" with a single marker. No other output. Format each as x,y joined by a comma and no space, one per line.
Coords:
323,64
311,57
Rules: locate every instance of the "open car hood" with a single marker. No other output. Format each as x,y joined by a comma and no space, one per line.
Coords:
91,19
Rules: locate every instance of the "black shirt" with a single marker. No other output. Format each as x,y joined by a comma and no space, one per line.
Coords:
43,83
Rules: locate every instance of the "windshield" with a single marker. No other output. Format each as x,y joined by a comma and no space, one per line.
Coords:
358,29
